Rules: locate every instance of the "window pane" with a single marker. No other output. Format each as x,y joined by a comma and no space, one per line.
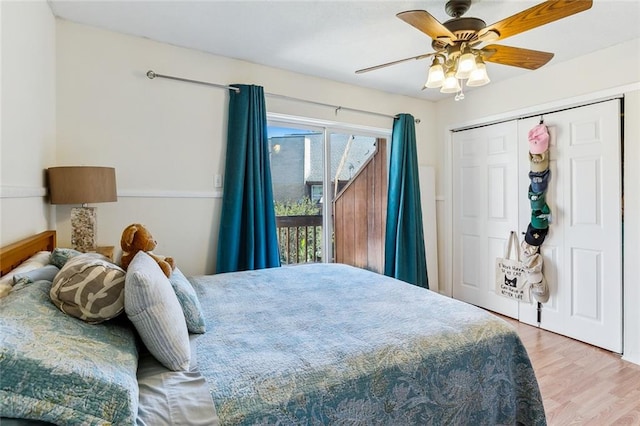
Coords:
296,173
349,153
300,192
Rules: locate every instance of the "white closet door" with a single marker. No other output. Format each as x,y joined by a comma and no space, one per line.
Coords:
485,205
583,250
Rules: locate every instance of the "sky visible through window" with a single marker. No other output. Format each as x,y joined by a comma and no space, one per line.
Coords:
276,131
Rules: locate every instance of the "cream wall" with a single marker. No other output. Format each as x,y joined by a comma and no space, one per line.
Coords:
614,71
27,116
166,139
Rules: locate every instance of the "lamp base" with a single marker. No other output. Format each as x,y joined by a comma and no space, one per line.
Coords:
83,229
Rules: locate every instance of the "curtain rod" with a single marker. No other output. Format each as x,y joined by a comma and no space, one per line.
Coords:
151,74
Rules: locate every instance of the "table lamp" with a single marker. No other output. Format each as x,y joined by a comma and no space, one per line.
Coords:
82,185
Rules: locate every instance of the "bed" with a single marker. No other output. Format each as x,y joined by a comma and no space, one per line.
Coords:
297,345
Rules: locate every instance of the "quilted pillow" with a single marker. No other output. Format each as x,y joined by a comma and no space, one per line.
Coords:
188,301
89,287
62,371
155,312
60,256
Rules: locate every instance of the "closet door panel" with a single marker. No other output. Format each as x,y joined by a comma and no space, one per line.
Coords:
583,250
485,187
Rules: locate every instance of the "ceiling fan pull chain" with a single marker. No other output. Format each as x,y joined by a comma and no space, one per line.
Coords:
541,119
460,95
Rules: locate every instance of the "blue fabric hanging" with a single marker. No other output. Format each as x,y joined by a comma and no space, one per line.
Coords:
404,253
247,239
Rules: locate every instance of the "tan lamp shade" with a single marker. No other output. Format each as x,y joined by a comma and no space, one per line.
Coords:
82,184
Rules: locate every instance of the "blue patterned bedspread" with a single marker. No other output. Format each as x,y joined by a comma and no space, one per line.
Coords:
333,344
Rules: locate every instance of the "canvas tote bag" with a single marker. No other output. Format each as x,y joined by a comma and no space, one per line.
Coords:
511,275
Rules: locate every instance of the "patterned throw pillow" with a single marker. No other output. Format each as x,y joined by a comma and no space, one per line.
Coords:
154,310
188,301
89,287
60,256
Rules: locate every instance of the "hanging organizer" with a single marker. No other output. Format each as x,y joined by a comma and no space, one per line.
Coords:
539,176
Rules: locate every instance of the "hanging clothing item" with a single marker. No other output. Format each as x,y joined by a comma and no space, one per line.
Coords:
527,249
540,180
533,264
539,162
537,199
540,213
538,139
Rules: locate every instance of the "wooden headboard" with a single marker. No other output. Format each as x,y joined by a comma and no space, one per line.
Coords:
16,253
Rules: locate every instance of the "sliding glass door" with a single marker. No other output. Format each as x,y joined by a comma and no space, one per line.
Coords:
305,185
296,172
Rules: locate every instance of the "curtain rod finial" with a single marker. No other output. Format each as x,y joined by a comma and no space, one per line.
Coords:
151,74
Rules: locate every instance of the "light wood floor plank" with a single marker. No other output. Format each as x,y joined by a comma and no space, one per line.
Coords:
581,384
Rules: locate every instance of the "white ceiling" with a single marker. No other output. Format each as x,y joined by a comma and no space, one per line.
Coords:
332,39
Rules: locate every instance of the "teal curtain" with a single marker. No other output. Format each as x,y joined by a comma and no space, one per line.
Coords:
247,239
404,254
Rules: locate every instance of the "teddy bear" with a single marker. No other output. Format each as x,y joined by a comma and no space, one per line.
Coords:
135,238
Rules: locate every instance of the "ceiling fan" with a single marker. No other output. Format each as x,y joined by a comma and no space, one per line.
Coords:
457,55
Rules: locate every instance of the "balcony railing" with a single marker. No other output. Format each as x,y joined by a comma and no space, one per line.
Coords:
300,238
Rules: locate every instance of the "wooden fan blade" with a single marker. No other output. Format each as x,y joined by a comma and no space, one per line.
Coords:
535,16
516,56
377,67
425,22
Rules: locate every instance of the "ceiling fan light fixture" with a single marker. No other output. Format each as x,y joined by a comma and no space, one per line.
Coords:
479,76
436,75
466,65
451,84
456,42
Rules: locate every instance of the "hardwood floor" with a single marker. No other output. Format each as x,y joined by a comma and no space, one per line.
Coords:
581,384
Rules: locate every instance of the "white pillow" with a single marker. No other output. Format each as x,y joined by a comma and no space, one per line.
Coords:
154,309
46,273
36,261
